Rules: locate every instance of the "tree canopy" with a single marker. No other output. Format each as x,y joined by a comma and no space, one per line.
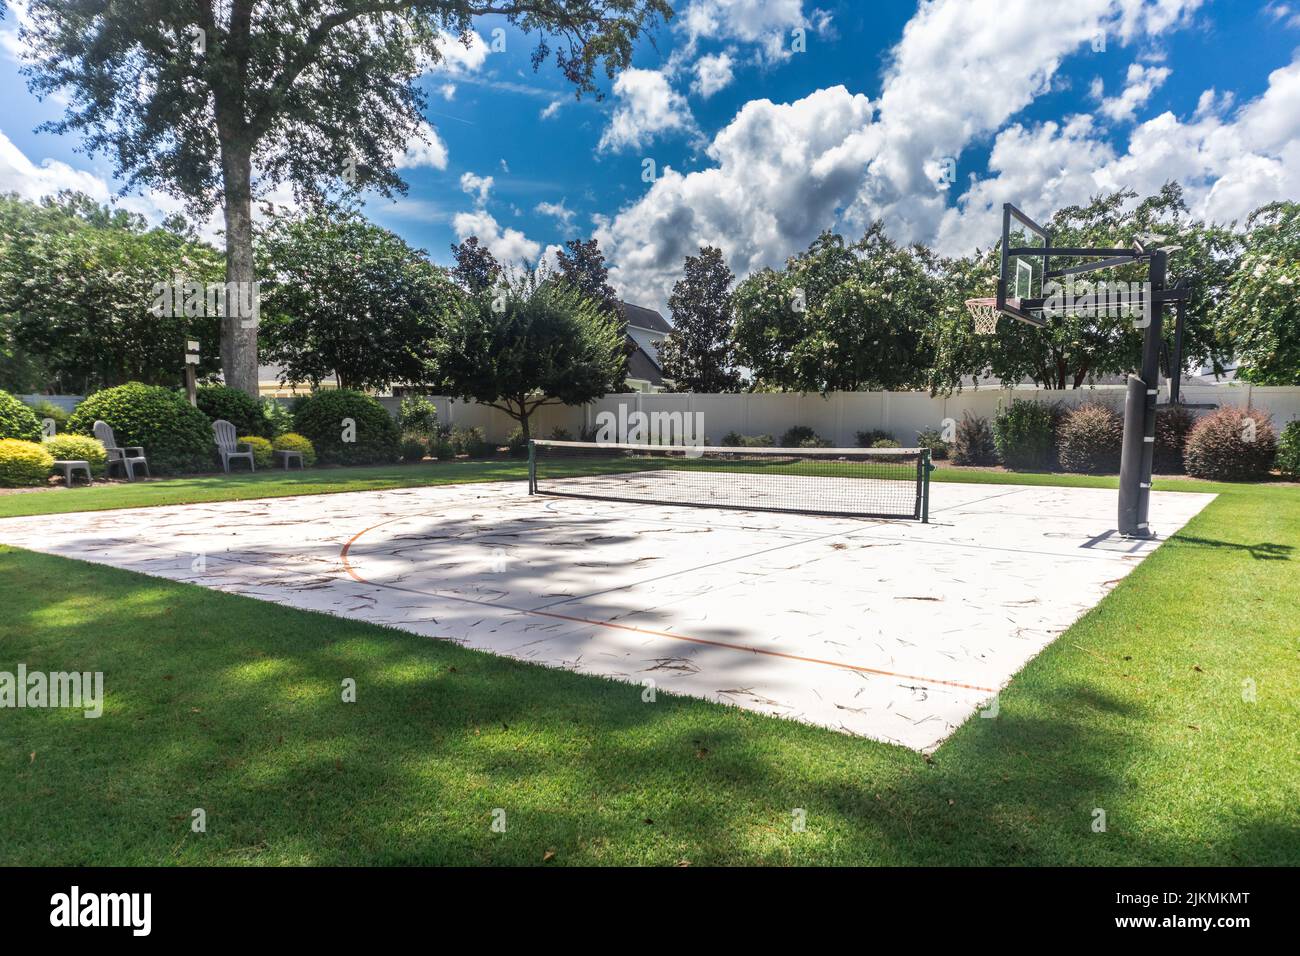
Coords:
350,300
77,289
210,101
533,341
698,354
1260,315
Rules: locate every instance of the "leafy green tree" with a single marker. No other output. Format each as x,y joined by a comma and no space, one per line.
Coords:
476,268
698,355
1072,351
1260,318
583,267
350,301
79,284
839,317
211,101
533,341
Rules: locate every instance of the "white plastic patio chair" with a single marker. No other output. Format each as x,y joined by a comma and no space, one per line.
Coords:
229,445
127,457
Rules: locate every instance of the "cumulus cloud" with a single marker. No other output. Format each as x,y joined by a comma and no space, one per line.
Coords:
477,186
647,108
1139,84
713,72
767,24
460,58
781,173
558,211
510,246
425,148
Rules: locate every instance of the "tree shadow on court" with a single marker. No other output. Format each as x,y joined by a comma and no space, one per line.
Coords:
235,706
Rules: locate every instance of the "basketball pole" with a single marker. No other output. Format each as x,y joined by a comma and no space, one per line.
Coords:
1137,455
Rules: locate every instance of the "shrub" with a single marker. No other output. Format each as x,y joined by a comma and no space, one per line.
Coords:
885,443
470,441
1232,444
23,463
46,409
418,417
798,437
78,448
262,457
175,435
320,418
932,439
737,440
1288,450
973,442
443,449
1173,425
292,441
413,449
1089,439
1024,434
17,420
561,434
235,406
868,438
278,418
515,443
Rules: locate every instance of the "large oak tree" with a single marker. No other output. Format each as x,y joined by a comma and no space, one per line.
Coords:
210,100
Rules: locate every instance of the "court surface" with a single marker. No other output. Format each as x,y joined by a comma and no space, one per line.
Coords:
893,630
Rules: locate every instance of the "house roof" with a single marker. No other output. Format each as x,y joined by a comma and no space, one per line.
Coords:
644,318
641,366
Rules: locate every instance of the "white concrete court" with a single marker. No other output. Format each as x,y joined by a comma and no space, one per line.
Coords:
893,630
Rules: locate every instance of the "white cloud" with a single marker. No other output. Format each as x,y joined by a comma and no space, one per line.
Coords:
457,58
558,211
19,174
1284,13
766,24
713,72
448,91
551,109
647,107
425,148
1140,83
781,173
510,246
476,185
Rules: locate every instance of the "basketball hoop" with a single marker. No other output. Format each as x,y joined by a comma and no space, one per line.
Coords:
985,314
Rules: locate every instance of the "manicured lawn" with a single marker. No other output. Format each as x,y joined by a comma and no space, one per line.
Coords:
233,705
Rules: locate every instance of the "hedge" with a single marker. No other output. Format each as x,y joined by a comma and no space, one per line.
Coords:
1232,444
78,448
176,437
235,406
17,420
292,441
23,463
1089,439
973,442
1288,451
1024,434
373,439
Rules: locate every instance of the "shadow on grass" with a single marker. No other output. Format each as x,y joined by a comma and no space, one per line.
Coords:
234,706
1263,551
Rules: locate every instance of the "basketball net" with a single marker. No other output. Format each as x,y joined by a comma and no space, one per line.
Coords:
985,314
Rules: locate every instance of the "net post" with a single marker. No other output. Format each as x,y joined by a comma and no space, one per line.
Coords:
532,467
925,468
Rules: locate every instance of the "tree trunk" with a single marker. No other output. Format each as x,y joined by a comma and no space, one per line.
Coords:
239,332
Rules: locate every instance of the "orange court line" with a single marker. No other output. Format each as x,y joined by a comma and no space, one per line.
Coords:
858,668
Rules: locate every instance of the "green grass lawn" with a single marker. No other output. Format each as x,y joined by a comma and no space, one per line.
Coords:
233,705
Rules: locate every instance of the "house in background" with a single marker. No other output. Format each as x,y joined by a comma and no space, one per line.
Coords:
646,328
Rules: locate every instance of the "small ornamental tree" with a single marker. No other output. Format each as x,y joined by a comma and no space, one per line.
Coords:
698,354
530,342
476,269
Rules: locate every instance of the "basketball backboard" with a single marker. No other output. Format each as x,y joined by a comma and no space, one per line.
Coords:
1026,248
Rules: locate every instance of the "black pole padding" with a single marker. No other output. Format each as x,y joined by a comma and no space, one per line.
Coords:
1176,363
1130,460
1137,455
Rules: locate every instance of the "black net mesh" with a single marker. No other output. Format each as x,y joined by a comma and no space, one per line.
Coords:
880,483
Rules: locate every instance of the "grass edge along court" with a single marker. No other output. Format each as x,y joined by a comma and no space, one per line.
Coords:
1165,715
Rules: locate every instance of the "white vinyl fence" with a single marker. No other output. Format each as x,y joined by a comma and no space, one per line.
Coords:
837,416
840,415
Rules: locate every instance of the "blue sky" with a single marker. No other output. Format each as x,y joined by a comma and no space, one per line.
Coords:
758,146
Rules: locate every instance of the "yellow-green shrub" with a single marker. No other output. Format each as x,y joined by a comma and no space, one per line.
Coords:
262,457
78,448
292,441
23,463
